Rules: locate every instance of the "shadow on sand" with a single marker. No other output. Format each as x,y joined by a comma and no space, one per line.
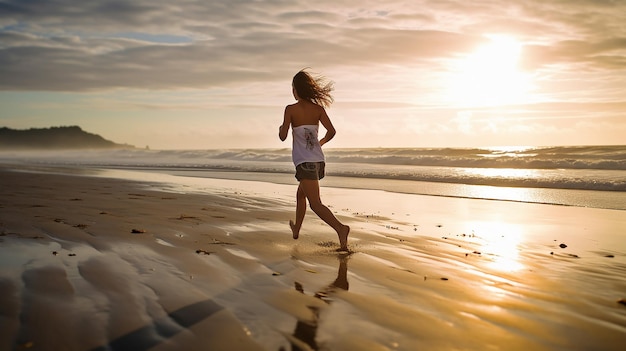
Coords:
175,322
149,336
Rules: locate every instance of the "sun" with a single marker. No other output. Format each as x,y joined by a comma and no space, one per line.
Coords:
490,76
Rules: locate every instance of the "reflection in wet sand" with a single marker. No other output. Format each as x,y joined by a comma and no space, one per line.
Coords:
500,241
304,334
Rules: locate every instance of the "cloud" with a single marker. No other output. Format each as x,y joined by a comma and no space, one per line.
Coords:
387,52
70,46
607,54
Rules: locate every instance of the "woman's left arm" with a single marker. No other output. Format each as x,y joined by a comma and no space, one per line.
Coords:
330,129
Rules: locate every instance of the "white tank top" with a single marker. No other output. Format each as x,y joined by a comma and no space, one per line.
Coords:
306,145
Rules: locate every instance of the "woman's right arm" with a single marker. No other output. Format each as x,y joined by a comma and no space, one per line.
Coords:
283,130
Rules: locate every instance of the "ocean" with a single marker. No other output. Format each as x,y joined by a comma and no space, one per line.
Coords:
586,176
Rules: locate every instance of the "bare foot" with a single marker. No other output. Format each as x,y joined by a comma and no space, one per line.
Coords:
343,238
294,231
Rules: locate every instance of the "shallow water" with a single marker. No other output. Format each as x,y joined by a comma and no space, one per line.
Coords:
587,176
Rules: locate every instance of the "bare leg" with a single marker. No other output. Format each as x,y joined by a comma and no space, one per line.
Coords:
311,189
300,212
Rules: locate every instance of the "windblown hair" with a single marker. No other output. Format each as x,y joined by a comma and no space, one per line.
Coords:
314,89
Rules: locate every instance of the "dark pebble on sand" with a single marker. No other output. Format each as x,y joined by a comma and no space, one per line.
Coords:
610,256
202,252
444,278
622,302
137,231
55,253
562,246
26,345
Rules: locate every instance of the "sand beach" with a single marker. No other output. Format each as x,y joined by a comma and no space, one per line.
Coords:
116,260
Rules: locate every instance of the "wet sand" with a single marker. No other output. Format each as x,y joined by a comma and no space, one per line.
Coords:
93,260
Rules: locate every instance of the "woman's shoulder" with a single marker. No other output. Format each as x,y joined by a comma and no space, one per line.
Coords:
305,104
302,113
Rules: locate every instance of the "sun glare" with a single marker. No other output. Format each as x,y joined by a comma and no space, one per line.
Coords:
489,76
500,243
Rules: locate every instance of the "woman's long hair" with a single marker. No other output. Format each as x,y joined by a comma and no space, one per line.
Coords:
314,89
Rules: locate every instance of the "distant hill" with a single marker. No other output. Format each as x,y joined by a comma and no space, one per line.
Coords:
71,137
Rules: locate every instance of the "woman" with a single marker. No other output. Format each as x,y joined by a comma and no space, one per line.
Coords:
304,118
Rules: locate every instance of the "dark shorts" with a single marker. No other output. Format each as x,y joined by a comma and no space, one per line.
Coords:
310,170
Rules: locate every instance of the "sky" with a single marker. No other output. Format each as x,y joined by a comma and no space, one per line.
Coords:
217,74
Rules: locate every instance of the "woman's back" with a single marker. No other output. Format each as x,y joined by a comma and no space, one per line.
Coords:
305,113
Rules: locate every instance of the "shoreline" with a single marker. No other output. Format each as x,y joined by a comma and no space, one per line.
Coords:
610,200
426,272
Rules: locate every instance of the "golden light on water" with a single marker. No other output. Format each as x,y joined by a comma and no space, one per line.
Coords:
502,172
513,151
506,178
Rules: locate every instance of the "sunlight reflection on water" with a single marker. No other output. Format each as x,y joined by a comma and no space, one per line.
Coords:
513,194
502,172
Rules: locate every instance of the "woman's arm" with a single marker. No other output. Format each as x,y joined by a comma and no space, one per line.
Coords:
283,130
330,129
